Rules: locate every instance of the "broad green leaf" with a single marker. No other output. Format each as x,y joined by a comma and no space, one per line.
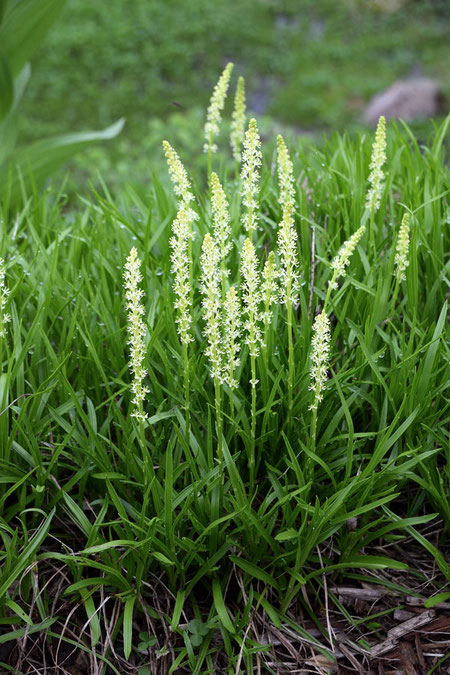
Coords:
6,87
24,28
34,164
436,599
128,625
8,125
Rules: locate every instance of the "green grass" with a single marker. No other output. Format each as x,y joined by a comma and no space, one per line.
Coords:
177,565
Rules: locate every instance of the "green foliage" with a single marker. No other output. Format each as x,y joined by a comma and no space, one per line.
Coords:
23,26
310,64
192,552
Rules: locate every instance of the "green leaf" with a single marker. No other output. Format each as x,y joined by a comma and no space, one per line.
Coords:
24,28
220,607
254,570
287,535
34,164
27,554
29,630
162,558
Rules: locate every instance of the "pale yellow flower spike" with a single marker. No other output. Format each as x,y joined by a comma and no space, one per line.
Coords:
342,259
221,217
210,289
136,332
238,120
401,261
4,292
181,264
319,357
215,108
251,162
178,175
252,297
231,334
285,174
287,250
269,289
376,175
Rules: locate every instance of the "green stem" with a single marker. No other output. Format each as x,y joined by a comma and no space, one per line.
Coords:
187,401
291,366
372,235
329,289
210,142
253,426
394,295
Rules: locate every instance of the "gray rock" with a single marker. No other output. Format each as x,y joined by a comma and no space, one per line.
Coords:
412,99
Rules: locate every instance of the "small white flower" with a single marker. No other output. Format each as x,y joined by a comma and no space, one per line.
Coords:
376,175
238,120
319,357
401,256
215,109
251,162
136,331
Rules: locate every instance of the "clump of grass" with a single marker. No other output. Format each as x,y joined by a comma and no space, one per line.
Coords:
237,513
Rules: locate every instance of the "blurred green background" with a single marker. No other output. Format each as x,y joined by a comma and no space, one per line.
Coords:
310,66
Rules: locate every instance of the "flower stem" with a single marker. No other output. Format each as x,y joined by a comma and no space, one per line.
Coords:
253,426
291,366
187,402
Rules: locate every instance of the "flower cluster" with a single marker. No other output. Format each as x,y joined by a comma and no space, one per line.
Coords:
251,297
238,120
231,335
221,217
251,162
401,256
287,249
4,292
319,357
342,259
376,176
285,174
136,331
215,108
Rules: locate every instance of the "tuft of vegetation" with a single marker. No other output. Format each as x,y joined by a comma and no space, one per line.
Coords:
184,478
